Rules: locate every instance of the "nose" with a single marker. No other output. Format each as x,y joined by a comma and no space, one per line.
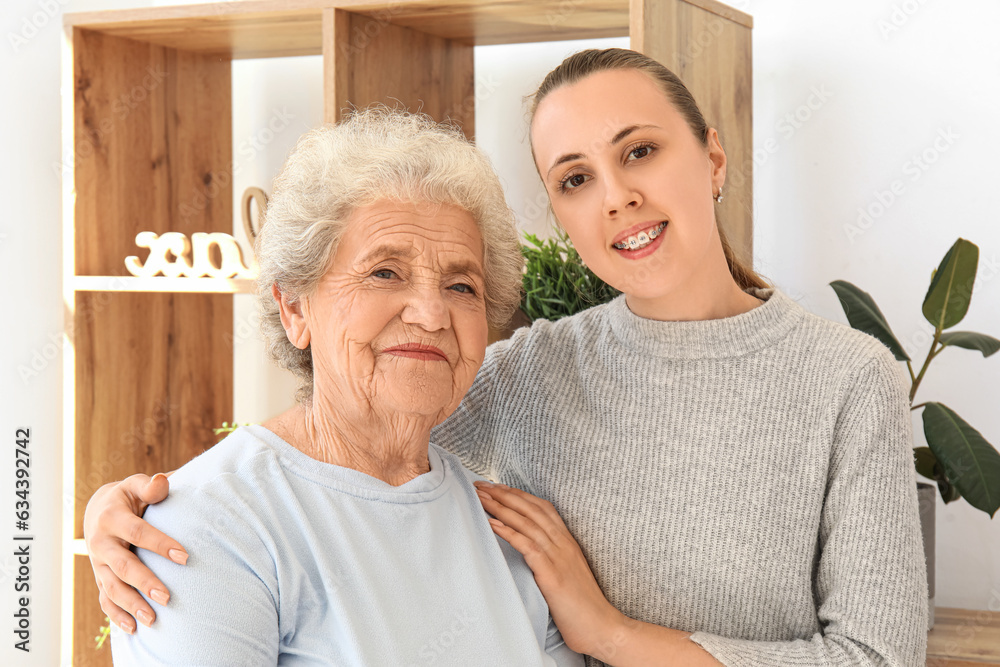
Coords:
426,308
619,195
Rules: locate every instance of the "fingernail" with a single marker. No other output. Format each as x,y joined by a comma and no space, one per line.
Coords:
159,474
496,523
483,494
178,556
126,627
160,597
144,617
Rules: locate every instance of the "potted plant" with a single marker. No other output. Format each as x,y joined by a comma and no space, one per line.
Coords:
958,459
557,283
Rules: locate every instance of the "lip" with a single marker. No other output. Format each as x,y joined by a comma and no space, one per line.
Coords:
645,251
635,229
416,351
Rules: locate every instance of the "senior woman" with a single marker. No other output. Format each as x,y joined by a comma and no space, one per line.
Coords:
336,533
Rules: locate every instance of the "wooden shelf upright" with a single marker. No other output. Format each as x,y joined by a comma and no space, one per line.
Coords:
148,146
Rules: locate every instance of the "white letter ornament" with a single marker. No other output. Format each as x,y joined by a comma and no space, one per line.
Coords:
174,256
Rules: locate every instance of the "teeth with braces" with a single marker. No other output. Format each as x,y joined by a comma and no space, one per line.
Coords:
642,239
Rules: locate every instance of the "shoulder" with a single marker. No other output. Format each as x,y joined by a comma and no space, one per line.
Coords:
242,454
226,487
545,339
861,373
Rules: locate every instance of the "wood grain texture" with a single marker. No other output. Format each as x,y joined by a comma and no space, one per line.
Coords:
712,55
369,60
153,377
153,372
153,143
271,28
87,618
964,637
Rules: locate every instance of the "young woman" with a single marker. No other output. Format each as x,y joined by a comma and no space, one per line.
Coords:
698,473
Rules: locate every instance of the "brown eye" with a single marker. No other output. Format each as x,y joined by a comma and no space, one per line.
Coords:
640,152
574,181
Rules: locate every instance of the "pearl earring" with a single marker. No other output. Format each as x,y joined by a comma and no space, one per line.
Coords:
718,197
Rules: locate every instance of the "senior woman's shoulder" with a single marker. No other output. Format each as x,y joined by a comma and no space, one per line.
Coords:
242,455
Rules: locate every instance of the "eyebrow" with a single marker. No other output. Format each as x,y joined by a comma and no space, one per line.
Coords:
618,138
386,250
468,268
389,250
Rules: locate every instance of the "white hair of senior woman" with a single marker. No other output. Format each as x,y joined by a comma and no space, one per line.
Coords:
374,154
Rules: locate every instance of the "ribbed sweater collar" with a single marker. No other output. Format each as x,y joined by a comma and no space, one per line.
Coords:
708,339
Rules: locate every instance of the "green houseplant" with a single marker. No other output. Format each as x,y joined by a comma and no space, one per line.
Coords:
958,459
557,283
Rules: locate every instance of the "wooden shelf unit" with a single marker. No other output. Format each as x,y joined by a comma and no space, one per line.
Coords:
148,130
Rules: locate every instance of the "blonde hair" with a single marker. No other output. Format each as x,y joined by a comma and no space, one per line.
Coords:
372,155
582,64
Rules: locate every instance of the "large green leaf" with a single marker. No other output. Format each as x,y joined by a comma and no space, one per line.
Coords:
950,291
864,315
925,461
971,340
970,462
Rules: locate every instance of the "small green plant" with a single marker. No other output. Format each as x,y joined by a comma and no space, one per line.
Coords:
226,429
958,459
103,633
557,283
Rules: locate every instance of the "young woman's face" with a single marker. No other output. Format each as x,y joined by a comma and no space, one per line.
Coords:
629,182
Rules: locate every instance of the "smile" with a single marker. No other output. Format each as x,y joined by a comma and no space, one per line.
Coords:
417,351
642,239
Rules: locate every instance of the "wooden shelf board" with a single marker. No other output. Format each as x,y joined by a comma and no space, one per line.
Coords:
964,636
162,284
268,28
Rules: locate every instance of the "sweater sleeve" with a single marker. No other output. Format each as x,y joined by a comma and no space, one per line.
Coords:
870,581
221,612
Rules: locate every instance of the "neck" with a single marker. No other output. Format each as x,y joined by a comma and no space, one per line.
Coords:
390,448
710,293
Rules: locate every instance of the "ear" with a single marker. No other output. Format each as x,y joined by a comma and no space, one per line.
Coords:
292,318
717,159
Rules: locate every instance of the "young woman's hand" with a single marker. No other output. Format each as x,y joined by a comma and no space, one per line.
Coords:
583,615
111,525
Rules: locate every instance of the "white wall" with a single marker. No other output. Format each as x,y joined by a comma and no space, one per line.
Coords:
884,99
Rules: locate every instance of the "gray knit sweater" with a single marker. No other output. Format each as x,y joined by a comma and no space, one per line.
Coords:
748,479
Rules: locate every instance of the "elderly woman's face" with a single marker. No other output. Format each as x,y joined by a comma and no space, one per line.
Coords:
399,319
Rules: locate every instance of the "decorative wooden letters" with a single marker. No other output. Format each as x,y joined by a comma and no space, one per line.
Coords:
189,258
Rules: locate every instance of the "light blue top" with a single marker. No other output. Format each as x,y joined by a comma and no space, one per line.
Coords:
298,562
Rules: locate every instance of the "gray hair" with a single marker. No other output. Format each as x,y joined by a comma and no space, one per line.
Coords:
372,155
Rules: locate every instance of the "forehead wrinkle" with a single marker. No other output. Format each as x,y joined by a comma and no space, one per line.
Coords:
389,250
